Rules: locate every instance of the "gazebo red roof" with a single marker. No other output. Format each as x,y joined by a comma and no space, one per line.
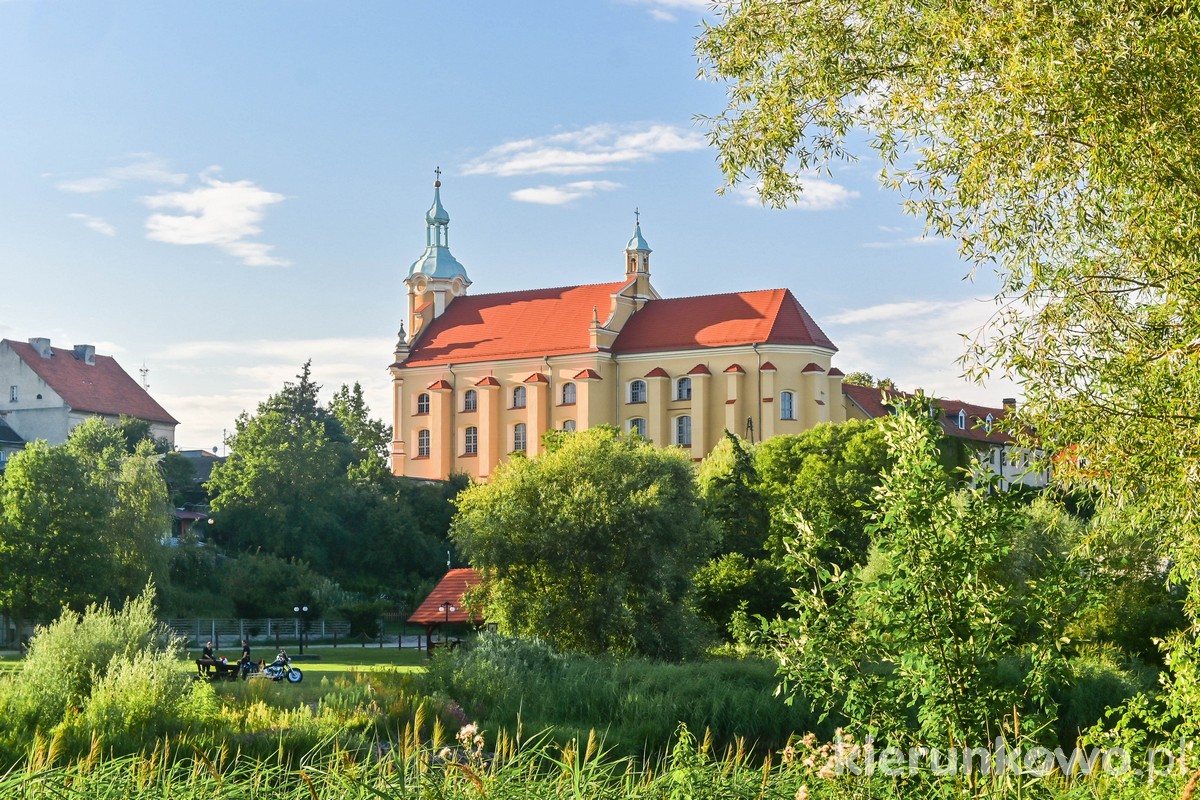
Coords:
450,589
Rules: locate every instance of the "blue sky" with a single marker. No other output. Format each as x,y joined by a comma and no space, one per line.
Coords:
222,190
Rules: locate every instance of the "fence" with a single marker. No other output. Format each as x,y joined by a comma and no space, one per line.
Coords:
232,631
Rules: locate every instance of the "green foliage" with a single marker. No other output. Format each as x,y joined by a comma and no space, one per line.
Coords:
825,474
731,582
590,546
1009,128
371,438
638,704
265,585
912,645
729,489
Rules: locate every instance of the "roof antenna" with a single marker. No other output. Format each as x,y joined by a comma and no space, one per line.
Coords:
145,371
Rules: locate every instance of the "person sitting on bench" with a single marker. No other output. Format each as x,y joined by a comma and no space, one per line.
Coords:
207,659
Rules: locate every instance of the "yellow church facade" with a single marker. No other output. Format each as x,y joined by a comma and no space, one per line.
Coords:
477,377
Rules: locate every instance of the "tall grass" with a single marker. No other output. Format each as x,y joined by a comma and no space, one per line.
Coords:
636,704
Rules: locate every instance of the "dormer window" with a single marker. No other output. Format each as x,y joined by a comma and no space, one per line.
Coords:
988,421
962,420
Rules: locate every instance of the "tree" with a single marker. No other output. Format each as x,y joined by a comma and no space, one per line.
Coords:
729,489
51,551
370,438
1055,142
590,546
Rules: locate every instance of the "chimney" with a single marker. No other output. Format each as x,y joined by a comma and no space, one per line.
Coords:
86,353
1010,405
42,346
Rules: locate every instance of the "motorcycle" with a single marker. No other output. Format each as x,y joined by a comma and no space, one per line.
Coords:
278,670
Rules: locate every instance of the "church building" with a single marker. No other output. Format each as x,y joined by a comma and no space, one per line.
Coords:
477,377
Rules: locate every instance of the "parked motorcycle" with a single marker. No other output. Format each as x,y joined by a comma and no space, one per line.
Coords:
282,668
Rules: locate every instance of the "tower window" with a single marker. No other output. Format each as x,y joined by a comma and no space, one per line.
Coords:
519,437
471,441
568,394
637,391
683,389
471,400
637,425
683,431
12,394
423,403
423,443
787,405
519,397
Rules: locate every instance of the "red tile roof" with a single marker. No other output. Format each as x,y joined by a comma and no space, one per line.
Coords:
449,589
812,366
100,388
721,320
871,401
547,322
537,377
735,368
657,372
490,327
442,384
768,367
488,381
836,373
588,375
699,369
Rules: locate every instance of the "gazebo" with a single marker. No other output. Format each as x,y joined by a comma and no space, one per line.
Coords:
445,604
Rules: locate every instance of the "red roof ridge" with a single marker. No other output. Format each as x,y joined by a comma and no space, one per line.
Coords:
490,380
588,375
699,369
836,373
813,367
537,377
768,367
657,372
736,368
548,289
442,384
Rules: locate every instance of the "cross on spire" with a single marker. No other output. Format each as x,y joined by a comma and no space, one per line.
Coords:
637,216
437,171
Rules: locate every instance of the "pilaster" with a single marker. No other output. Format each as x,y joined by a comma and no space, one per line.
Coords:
537,411
491,433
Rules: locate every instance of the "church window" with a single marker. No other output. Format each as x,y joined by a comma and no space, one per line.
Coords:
683,431
471,441
568,394
569,425
637,391
519,397
637,425
787,405
683,389
423,443
423,403
519,437
471,400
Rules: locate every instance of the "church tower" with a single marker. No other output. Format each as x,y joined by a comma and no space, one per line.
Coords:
436,278
637,263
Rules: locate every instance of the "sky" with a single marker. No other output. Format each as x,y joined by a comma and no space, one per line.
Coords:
218,192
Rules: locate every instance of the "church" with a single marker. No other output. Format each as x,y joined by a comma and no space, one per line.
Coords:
477,377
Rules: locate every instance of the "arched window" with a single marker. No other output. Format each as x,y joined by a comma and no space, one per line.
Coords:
519,397
423,403
519,437
787,405
423,443
569,425
637,391
470,400
471,441
568,394
683,431
637,425
683,389
962,419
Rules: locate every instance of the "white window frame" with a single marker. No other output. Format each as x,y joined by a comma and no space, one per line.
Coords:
423,403
636,425
423,443
962,419
569,425
787,405
681,430
471,440
568,394
519,397
520,438
470,400
683,388
637,391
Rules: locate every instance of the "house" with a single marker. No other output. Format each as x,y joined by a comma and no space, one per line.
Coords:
975,436
49,390
477,377
10,443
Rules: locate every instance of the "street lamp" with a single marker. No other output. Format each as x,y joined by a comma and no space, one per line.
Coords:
300,611
446,607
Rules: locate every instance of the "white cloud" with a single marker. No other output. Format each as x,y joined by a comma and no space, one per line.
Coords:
219,213
909,241
818,195
141,168
96,224
917,343
590,149
663,16
562,194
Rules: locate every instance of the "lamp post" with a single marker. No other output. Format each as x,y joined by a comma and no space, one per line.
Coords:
446,607
300,612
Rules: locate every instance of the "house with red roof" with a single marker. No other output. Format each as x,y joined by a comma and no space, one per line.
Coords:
477,377
49,390
974,436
